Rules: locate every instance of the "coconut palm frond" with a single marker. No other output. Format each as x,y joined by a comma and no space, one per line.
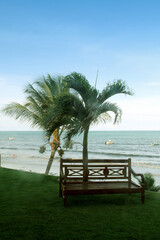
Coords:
68,111
102,118
36,107
114,88
22,113
101,113
73,129
29,90
55,123
62,85
79,83
112,107
69,104
49,87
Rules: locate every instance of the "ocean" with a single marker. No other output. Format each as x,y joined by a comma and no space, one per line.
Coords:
20,150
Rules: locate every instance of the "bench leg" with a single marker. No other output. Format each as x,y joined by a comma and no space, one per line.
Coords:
60,189
129,191
60,192
64,196
142,196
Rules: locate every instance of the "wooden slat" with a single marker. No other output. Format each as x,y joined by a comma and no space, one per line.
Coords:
108,161
68,160
82,186
97,177
106,182
95,166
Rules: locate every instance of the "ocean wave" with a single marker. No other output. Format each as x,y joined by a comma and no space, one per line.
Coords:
28,153
15,156
23,148
147,165
118,154
129,155
16,148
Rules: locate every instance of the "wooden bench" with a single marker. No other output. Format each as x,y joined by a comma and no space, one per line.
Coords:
105,176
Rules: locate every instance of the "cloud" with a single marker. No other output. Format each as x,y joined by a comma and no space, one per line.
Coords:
138,114
154,84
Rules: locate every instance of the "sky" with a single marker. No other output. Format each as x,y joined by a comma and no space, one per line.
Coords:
119,38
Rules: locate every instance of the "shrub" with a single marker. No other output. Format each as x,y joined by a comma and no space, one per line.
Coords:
149,182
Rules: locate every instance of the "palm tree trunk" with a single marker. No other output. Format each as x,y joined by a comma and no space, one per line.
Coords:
50,162
85,154
54,145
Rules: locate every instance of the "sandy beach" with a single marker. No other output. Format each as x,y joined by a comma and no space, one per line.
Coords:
39,166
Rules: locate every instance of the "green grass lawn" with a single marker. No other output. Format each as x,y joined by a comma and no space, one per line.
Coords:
31,209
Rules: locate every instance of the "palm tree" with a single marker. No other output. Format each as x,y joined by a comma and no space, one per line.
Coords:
88,106
40,96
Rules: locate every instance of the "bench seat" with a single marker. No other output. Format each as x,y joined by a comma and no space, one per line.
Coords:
100,187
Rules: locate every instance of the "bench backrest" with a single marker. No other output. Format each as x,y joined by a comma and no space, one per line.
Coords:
104,169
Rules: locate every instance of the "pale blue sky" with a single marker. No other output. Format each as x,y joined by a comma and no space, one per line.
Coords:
120,38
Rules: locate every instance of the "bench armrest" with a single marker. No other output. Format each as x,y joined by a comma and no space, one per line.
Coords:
138,175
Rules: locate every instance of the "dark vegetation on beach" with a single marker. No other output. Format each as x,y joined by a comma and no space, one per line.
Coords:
31,209
149,182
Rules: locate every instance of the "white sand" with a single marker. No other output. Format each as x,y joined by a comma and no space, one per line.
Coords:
39,165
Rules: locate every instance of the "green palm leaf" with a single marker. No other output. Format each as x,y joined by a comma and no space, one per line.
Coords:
22,113
117,87
79,83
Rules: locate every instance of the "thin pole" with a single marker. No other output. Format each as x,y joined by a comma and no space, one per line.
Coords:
0,160
96,78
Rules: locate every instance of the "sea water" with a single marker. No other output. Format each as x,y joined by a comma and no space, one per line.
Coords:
20,150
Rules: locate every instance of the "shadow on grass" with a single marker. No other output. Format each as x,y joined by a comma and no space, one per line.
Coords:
101,200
